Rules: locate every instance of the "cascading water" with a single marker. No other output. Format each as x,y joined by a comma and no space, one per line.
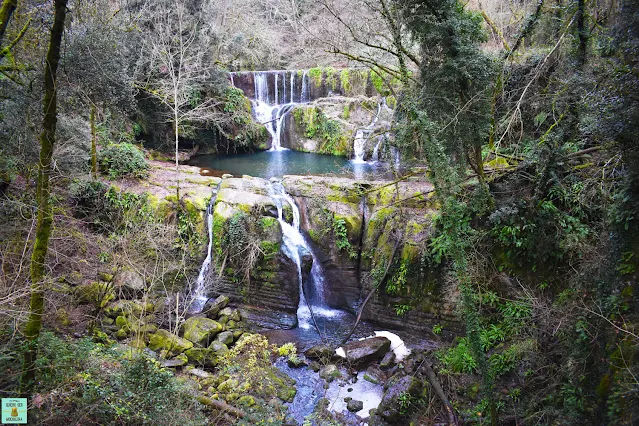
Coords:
295,247
198,296
362,135
270,101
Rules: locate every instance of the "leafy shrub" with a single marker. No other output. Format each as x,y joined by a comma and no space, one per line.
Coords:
123,160
101,385
88,197
459,358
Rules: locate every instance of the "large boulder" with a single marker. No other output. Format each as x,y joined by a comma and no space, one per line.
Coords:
202,357
365,351
200,330
164,340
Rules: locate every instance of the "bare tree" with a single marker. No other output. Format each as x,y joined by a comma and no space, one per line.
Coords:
178,66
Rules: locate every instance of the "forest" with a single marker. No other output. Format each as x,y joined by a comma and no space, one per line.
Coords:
319,212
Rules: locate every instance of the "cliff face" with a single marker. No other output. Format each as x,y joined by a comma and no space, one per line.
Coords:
365,234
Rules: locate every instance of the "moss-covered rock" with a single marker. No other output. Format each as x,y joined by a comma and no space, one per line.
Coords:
97,293
202,357
201,330
164,340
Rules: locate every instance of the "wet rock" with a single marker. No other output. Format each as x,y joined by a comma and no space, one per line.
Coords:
225,337
391,408
226,312
164,340
295,362
200,330
307,260
362,352
320,352
374,375
388,361
315,366
354,406
329,372
212,307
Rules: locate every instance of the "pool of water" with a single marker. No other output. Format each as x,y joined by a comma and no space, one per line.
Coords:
268,164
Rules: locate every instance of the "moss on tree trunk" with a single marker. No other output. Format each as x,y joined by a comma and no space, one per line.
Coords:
45,212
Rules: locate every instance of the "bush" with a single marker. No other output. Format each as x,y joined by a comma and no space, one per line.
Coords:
84,380
123,160
88,197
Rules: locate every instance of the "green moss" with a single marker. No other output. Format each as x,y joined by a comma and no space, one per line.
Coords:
331,77
317,126
269,248
316,75
345,81
346,111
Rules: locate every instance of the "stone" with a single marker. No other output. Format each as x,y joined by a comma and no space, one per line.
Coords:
235,316
320,352
127,308
390,408
315,366
329,372
354,406
122,322
218,348
388,361
199,373
202,356
374,375
365,351
174,362
295,362
121,334
246,400
227,312
228,386
213,307
130,283
237,334
164,340
225,337
200,330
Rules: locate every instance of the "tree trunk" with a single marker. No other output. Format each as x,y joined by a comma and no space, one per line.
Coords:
94,148
45,211
8,6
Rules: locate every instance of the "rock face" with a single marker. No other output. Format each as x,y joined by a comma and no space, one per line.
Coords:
164,340
362,352
357,226
268,295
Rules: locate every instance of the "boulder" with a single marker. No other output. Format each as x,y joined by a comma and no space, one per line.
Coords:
388,360
200,330
354,406
374,375
199,373
329,372
320,352
178,361
202,356
362,352
225,337
218,348
295,362
391,408
213,307
164,340
130,283
97,293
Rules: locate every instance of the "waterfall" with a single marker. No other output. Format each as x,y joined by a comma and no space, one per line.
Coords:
295,247
362,135
271,101
198,295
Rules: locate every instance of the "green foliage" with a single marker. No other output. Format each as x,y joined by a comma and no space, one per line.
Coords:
345,81
437,329
398,282
287,349
331,77
316,74
319,127
123,160
108,386
341,234
402,309
459,359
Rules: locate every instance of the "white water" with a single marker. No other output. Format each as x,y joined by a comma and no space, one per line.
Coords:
267,108
362,390
294,247
361,137
199,296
